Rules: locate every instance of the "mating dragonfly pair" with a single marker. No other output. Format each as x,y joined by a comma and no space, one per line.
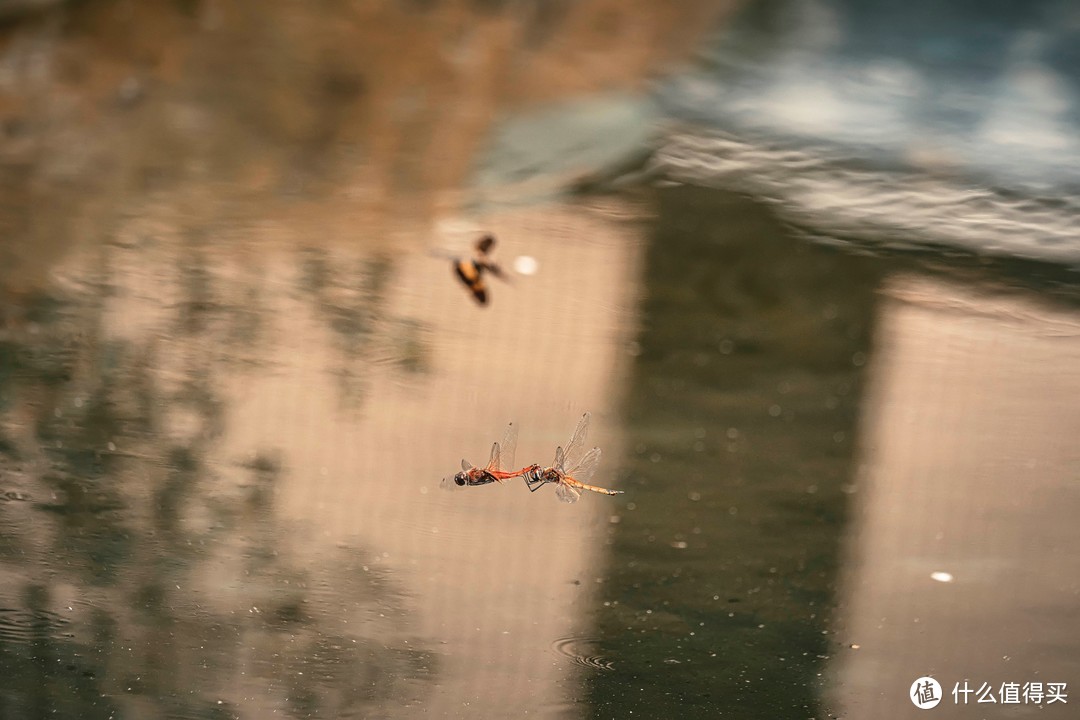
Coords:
569,472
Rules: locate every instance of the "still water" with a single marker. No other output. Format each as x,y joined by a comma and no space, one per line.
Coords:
236,364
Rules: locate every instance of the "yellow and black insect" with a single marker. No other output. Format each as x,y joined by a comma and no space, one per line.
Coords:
471,271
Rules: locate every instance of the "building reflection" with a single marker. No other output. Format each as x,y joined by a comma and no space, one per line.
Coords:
231,380
223,464
961,554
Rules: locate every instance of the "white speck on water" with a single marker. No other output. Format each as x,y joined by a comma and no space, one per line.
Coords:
941,576
526,265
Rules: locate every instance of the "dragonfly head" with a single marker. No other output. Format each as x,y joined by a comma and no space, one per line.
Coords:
461,479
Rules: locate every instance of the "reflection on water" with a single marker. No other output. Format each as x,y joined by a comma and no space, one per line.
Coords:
834,198
232,376
228,461
959,88
969,471
144,575
219,472
741,419
229,403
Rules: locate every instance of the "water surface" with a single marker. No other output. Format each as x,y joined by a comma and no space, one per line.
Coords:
235,365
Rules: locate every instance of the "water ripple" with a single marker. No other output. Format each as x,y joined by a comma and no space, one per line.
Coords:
24,625
829,196
578,650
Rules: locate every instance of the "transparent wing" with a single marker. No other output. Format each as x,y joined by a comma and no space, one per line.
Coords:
496,270
567,493
586,467
493,462
448,484
560,458
466,465
576,445
507,449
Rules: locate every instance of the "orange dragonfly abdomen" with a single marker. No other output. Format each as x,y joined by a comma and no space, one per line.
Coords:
470,274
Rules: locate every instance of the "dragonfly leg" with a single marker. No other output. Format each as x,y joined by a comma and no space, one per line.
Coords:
535,484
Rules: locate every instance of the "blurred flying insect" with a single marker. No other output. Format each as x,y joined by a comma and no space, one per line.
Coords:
502,456
471,271
570,469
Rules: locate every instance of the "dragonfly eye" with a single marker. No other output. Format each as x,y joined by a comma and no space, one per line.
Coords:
460,479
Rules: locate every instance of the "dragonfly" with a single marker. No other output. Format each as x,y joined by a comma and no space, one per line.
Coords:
471,271
502,456
570,470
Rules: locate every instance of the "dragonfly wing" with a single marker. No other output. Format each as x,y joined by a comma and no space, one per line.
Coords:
560,459
449,484
495,270
576,445
507,448
496,453
567,493
586,467
466,465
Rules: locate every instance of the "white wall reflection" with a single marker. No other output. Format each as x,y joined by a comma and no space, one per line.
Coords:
962,558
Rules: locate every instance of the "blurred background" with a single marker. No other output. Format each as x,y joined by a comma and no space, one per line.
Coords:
810,264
